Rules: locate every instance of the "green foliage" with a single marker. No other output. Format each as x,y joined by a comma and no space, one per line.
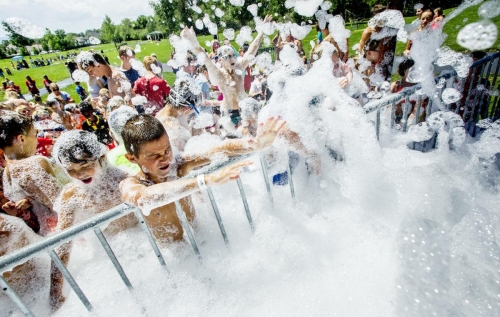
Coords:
35,51
141,22
108,31
23,51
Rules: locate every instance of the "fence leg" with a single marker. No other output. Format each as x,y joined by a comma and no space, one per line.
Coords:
245,204
290,180
67,275
186,228
9,291
266,178
377,124
151,239
217,215
112,257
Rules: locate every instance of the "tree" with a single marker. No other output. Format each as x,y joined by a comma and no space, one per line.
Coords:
16,39
23,51
108,30
35,51
141,22
125,29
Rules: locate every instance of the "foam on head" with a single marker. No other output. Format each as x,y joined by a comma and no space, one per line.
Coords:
117,119
77,146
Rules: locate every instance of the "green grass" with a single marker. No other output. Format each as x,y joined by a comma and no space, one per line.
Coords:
163,49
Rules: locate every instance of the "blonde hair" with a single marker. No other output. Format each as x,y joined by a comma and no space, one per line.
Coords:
11,94
53,86
103,92
19,109
148,60
40,112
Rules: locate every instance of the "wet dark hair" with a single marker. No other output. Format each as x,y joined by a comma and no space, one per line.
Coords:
478,54
378,8
13,124
404,65
139,130
97,59
85,106
78,146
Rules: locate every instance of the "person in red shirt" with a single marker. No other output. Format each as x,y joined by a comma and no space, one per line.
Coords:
31,84
46,83
156,90
14,86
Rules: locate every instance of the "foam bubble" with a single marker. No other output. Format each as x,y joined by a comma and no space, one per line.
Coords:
307,8
489,9
25,28
94,40
219,13
199,24
229,34
451,95
137,48
253,9
80,75
478,36
237,3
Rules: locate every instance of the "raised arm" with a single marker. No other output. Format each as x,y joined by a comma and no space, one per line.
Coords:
214,73
254,46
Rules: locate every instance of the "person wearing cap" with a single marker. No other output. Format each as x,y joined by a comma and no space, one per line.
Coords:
229,75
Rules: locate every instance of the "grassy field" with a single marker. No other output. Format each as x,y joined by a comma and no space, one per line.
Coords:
163,49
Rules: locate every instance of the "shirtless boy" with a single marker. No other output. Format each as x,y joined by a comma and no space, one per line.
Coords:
95,65
157,186
228,78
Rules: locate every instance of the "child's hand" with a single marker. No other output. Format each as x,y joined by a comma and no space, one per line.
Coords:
267,133
226,174
10,208
189,35
23,204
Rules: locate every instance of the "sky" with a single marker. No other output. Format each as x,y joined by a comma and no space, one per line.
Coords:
72,15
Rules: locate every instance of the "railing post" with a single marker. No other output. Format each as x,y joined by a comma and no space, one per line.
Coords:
290,179
245,204
217,215
185,226
9,291
112,257
266,177
377,124
151,239
71,281
492,86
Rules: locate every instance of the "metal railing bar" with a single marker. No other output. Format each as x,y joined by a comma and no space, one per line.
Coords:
112,257
492,86
266,177
186,227
245,203
377,104
14,297
393,114
10,260
377,124
217,215
151,239
71,281
290,180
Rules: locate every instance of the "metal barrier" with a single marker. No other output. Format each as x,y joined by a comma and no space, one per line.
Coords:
479,96
9,261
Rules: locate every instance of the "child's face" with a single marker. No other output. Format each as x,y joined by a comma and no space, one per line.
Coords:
155,158
84,171
335,57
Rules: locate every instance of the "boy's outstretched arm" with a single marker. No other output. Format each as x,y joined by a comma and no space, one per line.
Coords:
151,197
